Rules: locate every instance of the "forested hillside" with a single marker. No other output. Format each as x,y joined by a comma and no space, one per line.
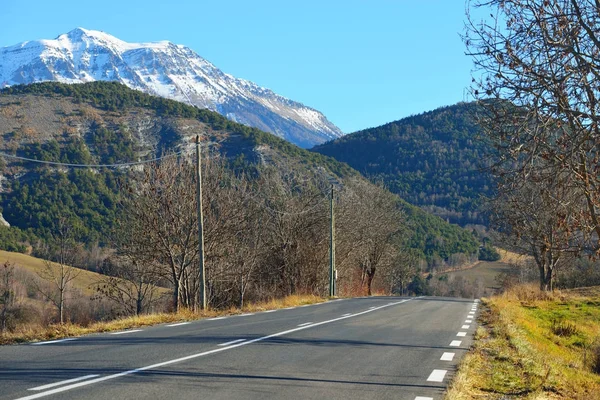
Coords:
432,160
104,122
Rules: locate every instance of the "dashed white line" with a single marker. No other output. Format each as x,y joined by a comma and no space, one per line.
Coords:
455,343
53,341
192,356
461,334
232,342
468,321
51,385
447,357
124,332
306,323
471,312
178,324
437,375
465,327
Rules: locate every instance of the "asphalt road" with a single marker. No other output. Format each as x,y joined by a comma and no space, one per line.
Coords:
364,348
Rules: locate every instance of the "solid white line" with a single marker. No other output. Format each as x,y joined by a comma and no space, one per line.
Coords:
455,343
306,323
232,342
370,308
124,332
437,375
268,311
192,356
216,318
179,324
53,341
465,327
461,334
51,385
289,308
245,315
423,398
345,315
447,357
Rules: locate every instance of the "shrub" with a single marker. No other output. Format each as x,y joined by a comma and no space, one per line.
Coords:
564,328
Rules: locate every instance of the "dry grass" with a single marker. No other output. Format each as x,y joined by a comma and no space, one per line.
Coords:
85,281
35,333
533,345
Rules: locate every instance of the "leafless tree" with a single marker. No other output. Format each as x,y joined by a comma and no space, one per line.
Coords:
59,273
130,282
538,78
370,225
160,218
7,295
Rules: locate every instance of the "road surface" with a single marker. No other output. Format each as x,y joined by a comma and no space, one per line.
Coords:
363,348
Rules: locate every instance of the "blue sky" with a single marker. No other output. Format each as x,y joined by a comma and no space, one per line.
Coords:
362,63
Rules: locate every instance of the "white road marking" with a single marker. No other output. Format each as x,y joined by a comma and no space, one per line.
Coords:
306,323
476,300
423,398
216,318
471,312
232,342
179,324
268,311
465,327
437,375
455,343
193,356
468,321
51,385
345,315
370,308
447,357
289,308
245,315
53,341
124,332
461,334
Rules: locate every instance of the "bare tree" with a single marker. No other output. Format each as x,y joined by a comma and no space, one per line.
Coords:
131,283
160,224
59,273
371,223
538,76
536,219
7,295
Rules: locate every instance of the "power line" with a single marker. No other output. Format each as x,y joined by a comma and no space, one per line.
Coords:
59,164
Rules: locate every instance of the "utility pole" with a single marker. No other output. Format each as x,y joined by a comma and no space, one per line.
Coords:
201,274
332,250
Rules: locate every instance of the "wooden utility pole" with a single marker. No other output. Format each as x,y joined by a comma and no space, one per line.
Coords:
201,272
332,250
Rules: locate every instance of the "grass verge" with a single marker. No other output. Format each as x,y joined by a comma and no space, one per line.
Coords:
533,345
35,333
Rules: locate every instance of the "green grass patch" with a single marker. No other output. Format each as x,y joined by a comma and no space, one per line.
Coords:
533,345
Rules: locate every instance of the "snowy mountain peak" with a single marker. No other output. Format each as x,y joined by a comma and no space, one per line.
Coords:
163,69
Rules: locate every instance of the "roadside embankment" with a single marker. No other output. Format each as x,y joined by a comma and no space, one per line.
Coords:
534,345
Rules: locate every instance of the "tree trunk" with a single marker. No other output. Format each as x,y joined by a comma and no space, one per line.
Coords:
370,275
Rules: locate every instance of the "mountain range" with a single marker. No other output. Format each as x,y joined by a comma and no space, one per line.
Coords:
167,70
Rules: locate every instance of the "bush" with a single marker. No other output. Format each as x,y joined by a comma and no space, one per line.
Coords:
564,328
488,253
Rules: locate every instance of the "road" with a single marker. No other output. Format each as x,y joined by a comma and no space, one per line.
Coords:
363,348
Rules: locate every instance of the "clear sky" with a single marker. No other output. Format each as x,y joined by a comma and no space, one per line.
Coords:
362,63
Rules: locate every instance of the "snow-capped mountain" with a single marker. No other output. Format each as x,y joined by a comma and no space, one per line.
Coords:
163,69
